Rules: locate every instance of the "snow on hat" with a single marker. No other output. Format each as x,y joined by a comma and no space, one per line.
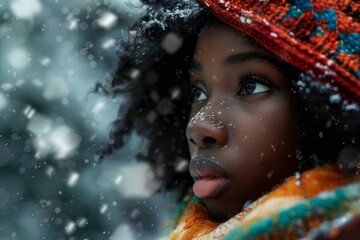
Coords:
321,37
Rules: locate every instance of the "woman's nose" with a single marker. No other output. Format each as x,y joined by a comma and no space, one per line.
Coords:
207,129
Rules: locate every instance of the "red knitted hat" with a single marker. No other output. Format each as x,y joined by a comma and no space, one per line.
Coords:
321,37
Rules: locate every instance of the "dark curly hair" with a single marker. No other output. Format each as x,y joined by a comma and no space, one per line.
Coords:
152,77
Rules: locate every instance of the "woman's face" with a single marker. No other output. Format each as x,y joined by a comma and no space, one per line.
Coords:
241,131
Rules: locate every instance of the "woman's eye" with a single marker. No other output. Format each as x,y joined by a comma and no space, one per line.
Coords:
197,94
254,85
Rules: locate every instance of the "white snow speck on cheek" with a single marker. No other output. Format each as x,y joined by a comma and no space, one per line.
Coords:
224,147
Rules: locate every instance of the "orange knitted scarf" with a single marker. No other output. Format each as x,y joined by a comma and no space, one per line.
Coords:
194,222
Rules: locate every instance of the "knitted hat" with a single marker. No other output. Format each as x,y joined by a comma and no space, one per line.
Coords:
321,37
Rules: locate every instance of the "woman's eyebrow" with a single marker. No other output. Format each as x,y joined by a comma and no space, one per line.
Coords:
242,57
247,56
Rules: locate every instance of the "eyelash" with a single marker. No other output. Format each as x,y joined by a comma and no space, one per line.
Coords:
248,77
192,88
243,79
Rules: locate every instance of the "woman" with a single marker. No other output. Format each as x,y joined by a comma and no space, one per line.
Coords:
234,86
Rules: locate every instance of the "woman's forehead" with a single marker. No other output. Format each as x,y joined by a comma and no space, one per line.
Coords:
218,37
220,44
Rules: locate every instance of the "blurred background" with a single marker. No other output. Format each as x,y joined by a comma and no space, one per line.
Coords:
52,54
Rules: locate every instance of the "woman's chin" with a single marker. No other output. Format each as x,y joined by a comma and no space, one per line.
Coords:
221,211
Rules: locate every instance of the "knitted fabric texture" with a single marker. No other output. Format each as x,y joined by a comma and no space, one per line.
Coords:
310,205
321,37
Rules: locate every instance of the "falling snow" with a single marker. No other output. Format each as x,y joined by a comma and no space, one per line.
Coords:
108,43
107,19
25,9
18,58
171,43
3,101
73,179
137,181
123,231
52,125
70,228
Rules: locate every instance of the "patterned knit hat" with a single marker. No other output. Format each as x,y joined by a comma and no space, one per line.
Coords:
321,37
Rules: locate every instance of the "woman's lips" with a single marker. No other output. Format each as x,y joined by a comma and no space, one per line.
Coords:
209,177
208,187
